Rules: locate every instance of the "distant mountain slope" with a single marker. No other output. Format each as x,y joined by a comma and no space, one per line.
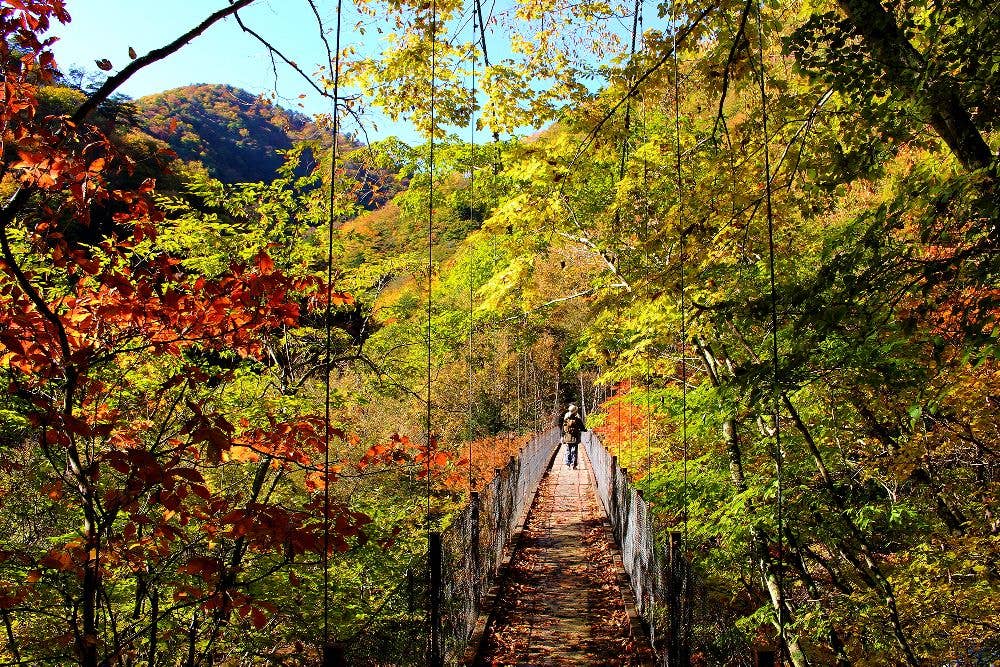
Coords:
235,134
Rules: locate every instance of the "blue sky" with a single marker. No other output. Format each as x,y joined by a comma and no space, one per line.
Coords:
224,54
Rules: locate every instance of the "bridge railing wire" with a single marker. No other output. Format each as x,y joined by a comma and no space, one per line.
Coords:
472,548
657,573
474,543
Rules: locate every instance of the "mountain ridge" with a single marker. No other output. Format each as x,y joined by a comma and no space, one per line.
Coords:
237,135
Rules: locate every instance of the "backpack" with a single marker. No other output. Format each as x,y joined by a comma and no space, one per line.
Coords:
571,429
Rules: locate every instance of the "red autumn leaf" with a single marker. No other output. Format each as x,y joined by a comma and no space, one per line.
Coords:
171,501
200,566
57,560
264,263
258,618
189,474
341,299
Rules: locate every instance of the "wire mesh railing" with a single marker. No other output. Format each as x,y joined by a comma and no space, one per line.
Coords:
474,543
657,572
461,567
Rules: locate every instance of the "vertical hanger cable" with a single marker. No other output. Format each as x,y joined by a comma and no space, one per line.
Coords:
328,357
472,214
775,386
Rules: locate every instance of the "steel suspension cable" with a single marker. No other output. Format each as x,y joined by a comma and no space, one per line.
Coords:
635,37
682,265
627,122
433,611
472,214
628,103
775,386
647,375
685,546
430,255
328,317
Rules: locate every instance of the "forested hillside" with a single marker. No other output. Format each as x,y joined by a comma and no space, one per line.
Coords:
762,255
236,135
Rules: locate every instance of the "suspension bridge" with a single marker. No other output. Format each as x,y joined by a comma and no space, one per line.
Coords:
546,565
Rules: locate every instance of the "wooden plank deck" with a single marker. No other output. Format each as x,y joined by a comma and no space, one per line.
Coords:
561,602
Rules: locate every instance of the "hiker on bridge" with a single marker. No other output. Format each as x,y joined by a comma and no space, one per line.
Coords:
572,426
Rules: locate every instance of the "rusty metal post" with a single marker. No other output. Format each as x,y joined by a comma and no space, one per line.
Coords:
764,657
436,655
334,655
475,556
613,499
677,649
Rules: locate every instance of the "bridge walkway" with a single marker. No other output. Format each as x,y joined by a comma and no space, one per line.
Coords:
561,602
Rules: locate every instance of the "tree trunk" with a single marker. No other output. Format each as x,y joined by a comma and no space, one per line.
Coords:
192,639
906,69
759,543
871,571
729,430
88,640
11,640
777,596
840,654
154,610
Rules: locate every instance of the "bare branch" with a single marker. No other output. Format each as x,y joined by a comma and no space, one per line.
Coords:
114,82
666,57
274,51
733,50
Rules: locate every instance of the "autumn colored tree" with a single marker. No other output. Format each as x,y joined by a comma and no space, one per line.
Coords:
121,365
166,351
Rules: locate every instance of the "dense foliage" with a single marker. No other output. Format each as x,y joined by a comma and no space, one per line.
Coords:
237,136
163,494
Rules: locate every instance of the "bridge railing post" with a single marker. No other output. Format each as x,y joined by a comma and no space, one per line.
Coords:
334,655
677,650
475,556
624,509
613,497
435,656
512,488
763,657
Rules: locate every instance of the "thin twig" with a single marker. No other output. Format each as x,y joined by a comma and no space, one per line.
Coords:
664,59
113,83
